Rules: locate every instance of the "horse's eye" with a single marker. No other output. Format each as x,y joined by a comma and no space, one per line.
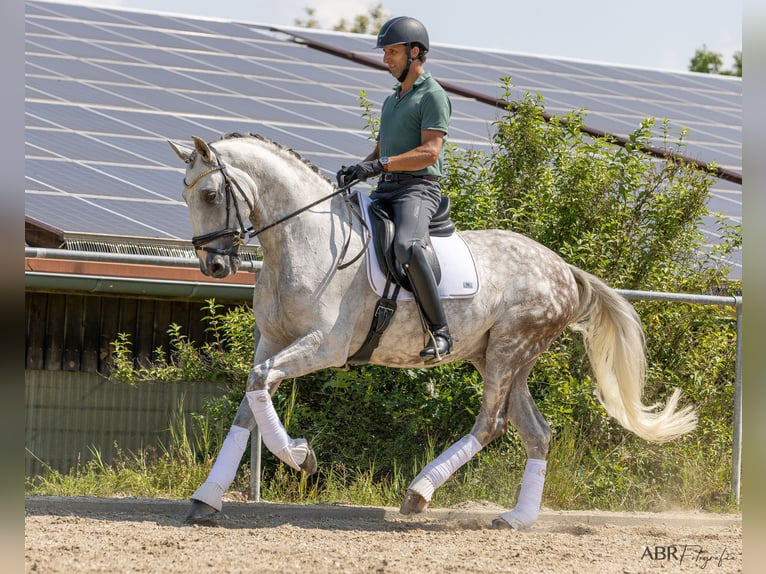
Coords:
210,195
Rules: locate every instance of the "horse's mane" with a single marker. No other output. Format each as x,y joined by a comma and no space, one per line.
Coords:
280,147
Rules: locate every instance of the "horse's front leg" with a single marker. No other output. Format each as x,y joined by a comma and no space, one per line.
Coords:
207,500
303,356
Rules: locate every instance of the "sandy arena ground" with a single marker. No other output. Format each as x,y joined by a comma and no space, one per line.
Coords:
123,535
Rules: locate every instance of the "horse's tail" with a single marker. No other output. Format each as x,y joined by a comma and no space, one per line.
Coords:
614,340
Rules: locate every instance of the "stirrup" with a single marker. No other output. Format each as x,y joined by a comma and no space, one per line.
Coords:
439,344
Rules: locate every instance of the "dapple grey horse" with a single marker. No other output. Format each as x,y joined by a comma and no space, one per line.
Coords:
313,310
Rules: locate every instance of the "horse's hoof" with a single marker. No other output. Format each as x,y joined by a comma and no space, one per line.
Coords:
509,523
201,513
309,466
413,503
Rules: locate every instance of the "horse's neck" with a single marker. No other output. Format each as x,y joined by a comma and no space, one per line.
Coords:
305,240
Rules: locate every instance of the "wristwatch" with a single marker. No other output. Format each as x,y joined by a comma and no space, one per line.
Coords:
384,162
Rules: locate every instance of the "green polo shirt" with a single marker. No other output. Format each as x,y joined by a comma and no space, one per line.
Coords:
425,107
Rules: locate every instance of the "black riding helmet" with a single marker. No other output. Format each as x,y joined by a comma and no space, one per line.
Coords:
404,30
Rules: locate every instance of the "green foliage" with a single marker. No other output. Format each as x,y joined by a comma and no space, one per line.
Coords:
226,356
708,62
368,23
608,209
374,416
602,207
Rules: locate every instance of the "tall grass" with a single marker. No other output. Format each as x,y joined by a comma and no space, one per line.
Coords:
170,470
577,478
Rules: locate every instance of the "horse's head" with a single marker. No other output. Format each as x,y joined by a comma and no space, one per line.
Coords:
218,196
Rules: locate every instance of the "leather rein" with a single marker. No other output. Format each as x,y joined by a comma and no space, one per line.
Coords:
240,235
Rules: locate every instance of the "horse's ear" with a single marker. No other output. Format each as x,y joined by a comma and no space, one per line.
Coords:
203,149
181,151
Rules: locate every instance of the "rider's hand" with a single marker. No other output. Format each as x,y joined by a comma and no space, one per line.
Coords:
344,176
363,170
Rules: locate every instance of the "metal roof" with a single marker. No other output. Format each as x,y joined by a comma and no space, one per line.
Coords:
105,89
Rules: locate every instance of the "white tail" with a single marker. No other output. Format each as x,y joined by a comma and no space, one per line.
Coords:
614,340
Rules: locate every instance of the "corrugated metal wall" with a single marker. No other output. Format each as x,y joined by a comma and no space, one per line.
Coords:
69,412
70,405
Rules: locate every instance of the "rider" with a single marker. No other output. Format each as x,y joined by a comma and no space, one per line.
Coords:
408,153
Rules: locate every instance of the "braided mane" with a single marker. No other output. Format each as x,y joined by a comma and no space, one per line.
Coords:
280,147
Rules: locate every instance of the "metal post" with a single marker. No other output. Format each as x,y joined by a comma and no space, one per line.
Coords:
736,449
255,464
736,301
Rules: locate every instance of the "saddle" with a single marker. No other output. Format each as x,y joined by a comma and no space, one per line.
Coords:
383,230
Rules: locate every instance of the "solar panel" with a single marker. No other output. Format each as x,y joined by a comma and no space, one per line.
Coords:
106,87
78,146
61,66
100,180
97,216
72,47
48,10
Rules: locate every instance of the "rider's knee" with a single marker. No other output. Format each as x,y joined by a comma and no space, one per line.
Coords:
405,251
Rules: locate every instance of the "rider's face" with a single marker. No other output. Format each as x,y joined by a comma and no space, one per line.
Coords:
395,57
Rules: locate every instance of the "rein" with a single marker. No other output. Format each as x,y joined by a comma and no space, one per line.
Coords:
239,235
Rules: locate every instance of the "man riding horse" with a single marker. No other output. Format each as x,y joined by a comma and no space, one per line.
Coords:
409,153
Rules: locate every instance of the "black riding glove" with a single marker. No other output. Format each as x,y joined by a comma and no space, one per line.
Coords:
361,171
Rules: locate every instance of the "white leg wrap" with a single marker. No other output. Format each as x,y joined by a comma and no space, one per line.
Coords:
527,507
291,452
224,469
441,468
229,457
210,493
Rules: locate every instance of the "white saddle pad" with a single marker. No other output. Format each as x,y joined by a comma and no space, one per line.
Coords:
459,276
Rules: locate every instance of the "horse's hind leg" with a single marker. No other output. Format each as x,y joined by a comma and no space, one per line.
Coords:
437,472
506,400
491,423
523,414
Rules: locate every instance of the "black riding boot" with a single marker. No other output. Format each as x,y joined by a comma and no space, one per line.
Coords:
426,293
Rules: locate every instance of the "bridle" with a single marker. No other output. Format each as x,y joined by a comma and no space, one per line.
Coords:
240,235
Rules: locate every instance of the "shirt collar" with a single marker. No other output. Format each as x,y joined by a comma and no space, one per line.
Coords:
421,78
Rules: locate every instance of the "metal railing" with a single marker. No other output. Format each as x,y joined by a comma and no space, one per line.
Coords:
731,301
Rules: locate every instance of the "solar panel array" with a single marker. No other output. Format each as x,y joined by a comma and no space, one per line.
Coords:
105,89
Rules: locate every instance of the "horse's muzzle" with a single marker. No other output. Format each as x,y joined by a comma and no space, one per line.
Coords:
219,266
